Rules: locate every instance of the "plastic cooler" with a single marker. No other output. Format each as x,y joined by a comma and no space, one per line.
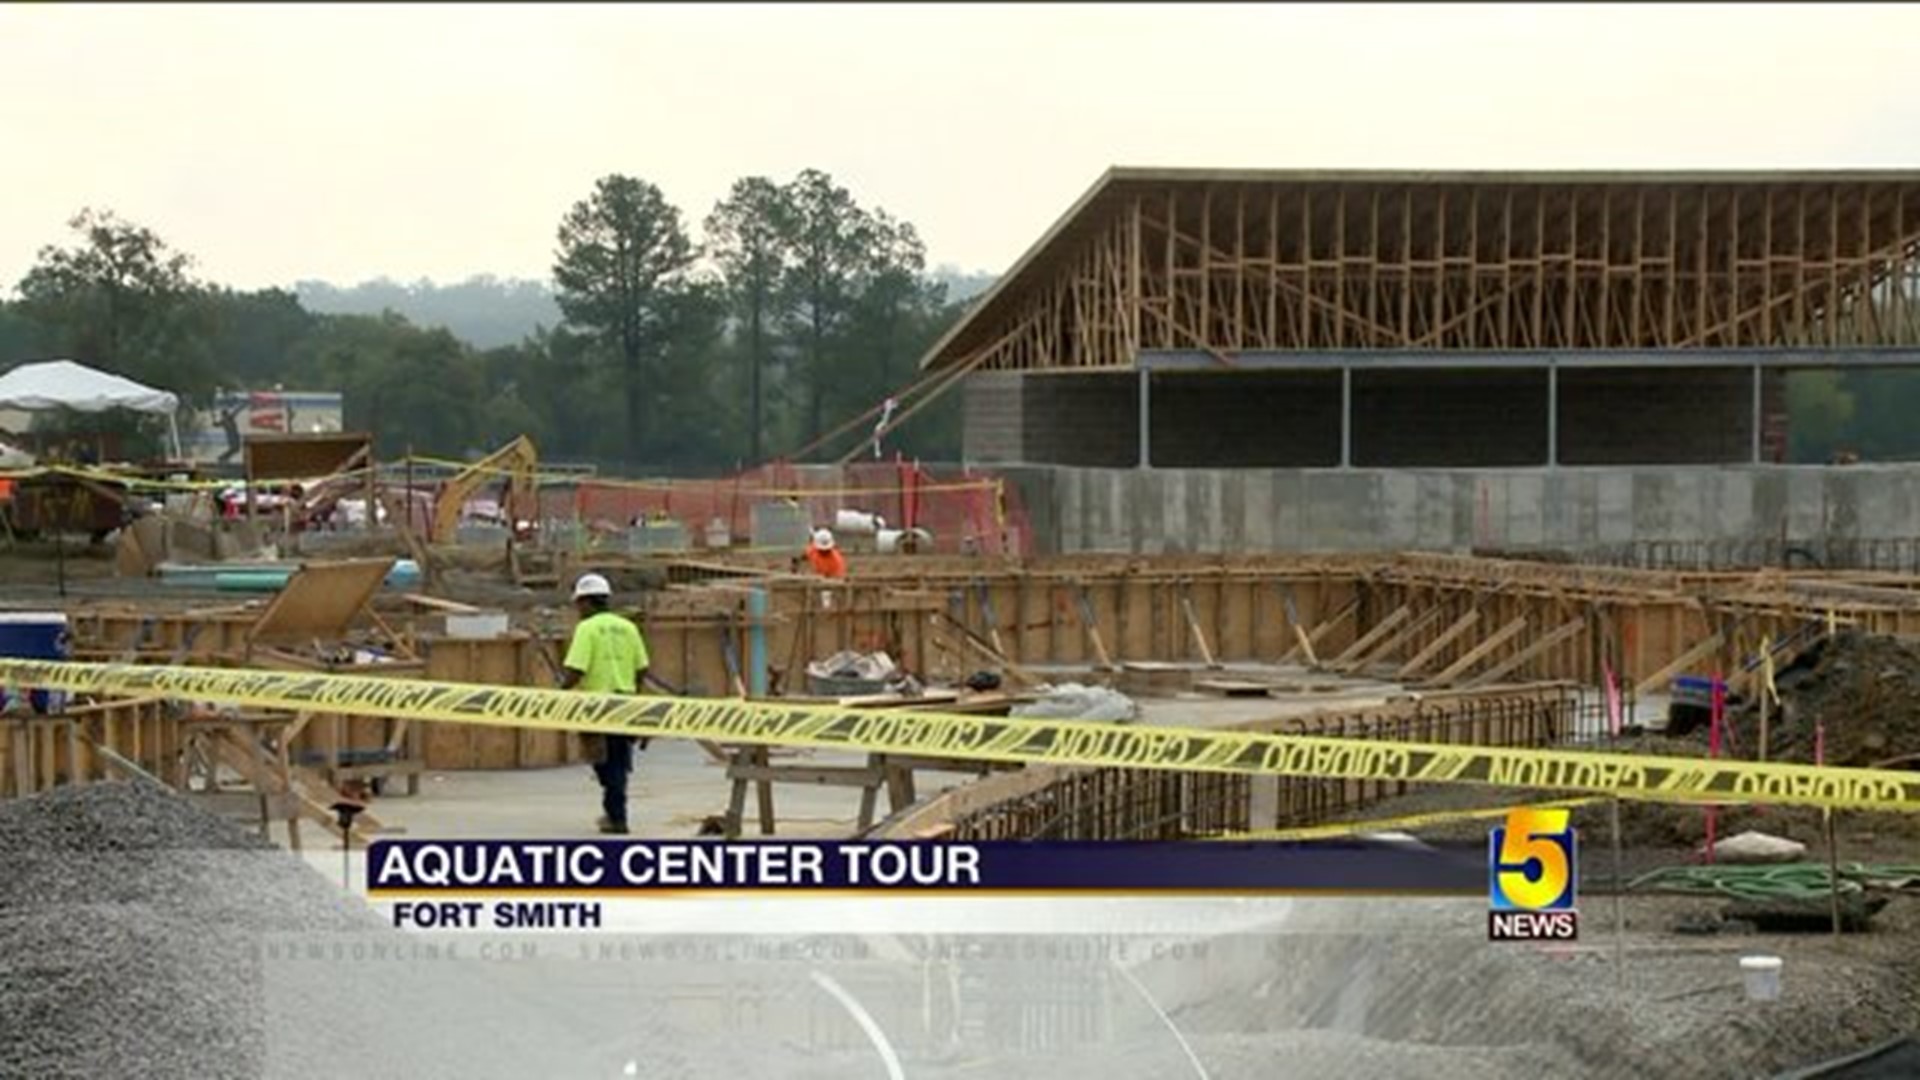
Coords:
1695,690
33,635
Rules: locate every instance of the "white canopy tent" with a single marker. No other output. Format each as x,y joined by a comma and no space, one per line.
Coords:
56,384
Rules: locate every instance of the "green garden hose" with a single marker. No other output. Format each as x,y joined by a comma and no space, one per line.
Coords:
1783,881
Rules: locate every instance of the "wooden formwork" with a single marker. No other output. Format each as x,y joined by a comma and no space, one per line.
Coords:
42,752
1038,615
1065,803
1427,620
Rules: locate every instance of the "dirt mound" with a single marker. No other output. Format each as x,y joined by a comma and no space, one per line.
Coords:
1864,688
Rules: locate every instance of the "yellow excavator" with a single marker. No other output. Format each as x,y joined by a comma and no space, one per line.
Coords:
516,461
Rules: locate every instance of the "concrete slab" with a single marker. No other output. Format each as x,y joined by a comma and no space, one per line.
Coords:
1342,510
1257,512
1730,503
1289,511
1653,499
1806,503
1614,499
1397,507
1841,501
1688,515
1526,517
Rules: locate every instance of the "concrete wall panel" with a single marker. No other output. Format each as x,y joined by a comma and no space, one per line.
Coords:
1574,510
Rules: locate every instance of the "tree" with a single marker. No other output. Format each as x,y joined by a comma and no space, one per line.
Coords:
21,338
122,298
748,234
831,237
897,290
252,336
622,271
407,385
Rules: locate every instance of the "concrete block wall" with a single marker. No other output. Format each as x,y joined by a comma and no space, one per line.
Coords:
1405,419
1204,511
1081,419
990,418
1235,419
1464,418
1623,416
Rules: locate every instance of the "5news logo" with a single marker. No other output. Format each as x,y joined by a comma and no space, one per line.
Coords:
1531,868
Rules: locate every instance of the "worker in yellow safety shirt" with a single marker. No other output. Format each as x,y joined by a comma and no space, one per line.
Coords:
606,656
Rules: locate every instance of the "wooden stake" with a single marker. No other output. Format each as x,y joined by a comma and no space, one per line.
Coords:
1199,636
1092,621
1833,871
1619,903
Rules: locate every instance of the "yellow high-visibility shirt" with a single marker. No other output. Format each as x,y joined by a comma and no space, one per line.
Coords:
607,650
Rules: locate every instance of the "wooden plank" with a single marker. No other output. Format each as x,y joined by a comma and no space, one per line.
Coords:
1365,641
1090,619
1434,647
889,701
1400,637
1565,632
1480,652
1199,635
1306,642
1659,679
321,600
1233,687
435,603
974,641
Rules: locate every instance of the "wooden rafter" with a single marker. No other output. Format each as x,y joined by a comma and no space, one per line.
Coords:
1238,265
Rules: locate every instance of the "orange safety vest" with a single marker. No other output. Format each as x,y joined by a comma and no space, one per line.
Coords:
828,563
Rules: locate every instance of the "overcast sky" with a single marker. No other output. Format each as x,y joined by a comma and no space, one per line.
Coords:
282,142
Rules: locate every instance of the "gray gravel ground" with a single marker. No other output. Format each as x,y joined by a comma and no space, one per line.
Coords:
138,937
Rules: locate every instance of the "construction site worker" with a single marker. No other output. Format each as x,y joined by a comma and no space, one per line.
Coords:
608,656
825,557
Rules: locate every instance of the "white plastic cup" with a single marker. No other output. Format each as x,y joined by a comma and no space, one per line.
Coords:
1762,976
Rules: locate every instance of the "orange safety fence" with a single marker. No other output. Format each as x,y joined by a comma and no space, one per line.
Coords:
962,509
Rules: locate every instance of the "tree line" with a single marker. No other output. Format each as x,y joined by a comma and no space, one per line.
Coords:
796,308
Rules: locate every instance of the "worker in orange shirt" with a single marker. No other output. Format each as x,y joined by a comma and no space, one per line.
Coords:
824,557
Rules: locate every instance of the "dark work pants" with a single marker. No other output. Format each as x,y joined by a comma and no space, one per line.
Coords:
613,773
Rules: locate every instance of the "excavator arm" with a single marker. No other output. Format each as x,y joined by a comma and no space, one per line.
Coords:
516,460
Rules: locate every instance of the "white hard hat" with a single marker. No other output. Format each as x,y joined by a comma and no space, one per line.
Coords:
822,539
591,585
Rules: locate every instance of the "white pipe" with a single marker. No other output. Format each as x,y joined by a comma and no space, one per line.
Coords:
866,1022
1192,1058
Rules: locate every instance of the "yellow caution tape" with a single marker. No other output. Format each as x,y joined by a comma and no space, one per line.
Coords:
1403,823
1410,822
717,486
1018,740
147,483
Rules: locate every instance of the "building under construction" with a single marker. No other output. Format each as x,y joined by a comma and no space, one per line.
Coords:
1584,343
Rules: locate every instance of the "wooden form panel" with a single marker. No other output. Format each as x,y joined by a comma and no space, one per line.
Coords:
38,753
1574,622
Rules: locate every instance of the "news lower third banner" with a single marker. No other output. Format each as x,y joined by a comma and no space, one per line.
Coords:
417,868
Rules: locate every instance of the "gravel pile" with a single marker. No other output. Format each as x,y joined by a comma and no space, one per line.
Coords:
138,937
